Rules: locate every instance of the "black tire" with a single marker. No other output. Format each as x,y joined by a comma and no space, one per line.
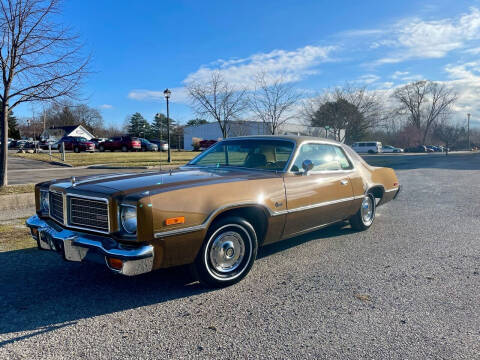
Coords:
124,148
101,148
361,221
236,242
76,149
371,152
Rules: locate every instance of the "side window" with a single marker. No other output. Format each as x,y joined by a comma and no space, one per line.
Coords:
345,164
324,157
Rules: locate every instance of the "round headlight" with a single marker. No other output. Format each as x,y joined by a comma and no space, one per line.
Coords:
44,204
128,216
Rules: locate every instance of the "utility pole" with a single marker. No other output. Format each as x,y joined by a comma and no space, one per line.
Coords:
468,131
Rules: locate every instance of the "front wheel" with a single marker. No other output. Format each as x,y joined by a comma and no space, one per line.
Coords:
228,252
124,148
365,216
102,148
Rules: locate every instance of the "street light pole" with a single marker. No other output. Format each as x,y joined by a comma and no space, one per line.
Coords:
468,131
167,96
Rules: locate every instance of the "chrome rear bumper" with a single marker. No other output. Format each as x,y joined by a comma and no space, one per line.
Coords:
77,246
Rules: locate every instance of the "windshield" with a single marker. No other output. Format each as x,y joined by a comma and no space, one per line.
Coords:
248,153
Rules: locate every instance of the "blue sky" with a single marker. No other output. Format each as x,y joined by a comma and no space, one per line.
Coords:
141,47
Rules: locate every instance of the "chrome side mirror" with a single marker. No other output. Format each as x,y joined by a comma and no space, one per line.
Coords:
307,165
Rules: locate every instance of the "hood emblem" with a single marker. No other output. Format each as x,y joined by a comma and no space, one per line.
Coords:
73,180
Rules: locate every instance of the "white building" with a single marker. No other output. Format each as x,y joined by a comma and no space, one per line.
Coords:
56,133
211,131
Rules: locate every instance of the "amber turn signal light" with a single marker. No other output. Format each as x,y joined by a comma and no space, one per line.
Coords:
116,264
175,220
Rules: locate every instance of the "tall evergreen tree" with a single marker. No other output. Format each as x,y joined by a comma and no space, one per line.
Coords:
13,131
159,127
138,126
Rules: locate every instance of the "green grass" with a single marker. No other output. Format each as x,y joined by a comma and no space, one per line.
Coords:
15,236
17,189
117,158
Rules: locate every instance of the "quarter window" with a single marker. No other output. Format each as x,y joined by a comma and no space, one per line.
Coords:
324,157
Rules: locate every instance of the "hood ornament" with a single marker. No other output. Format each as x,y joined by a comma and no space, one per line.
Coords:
73,180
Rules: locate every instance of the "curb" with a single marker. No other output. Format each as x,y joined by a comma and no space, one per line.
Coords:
59,163
17,201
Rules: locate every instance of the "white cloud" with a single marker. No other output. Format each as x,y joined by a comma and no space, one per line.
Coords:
473,51
179,95
399,74
368,79
420,39
465,79
106,106
291,65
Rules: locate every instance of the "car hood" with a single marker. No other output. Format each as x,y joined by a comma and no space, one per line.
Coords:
156,181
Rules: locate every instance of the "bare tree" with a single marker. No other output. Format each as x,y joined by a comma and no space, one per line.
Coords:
348,111
272,101
424,102
217,99
40,60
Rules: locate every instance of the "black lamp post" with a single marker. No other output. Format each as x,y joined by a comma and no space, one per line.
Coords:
167,96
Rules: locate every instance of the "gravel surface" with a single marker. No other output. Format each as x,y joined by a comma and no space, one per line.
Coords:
408,288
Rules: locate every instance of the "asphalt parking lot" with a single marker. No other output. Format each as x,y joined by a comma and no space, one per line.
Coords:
409,288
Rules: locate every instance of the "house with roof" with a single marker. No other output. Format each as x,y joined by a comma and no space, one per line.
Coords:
57,132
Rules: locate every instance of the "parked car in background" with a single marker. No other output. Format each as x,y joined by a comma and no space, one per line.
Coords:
123,143
76,144
213,213
53,143
97,141
416,149
391,149
147,145
367,147
205,144
162,145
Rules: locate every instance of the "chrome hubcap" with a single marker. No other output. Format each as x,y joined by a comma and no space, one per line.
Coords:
367,210
227,251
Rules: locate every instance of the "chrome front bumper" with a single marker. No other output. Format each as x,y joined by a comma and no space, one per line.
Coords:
76,246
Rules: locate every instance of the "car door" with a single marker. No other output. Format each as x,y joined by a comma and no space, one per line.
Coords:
322,195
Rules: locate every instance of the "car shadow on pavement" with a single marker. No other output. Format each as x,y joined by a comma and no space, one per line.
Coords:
334,230
39,291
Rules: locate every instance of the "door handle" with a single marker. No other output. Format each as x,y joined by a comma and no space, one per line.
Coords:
344,181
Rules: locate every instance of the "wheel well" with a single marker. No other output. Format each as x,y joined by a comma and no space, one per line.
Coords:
377,191
255,215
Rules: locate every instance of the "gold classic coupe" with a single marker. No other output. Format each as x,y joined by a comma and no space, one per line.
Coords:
214,212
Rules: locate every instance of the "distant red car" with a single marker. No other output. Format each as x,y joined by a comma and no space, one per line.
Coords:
76,143
123,143
205,144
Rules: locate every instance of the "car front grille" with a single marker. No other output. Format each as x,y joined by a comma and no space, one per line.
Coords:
56,206
88,213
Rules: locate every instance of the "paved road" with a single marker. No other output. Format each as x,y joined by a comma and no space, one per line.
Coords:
25,171
409,288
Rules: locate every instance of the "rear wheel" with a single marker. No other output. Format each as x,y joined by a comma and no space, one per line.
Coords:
124,148
228,252
76,149
101,148
365,216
